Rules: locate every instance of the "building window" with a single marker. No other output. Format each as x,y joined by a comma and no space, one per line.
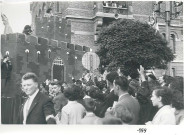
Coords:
49,53
57,5
7,53
120,4
39,13
27,54
173,72
38,55
43,6
163,34
173,38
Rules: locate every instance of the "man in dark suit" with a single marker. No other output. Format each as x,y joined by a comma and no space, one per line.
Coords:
109,98
59,99
125,100
6,68
38,108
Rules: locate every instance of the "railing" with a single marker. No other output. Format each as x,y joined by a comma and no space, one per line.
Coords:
111,9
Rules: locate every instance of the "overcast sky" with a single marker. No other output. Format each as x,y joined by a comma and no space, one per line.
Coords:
18,14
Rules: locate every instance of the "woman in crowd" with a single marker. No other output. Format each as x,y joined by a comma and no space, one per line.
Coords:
177,103
161,98
73,112
176,84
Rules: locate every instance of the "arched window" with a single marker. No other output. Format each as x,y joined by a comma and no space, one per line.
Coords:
57,6
173,72
173,42
163,34
39,12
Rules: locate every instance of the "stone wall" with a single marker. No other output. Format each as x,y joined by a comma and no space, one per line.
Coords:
41,64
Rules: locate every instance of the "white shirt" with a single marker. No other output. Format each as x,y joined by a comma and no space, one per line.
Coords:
31,98
164,116
90,118
72,113
181,122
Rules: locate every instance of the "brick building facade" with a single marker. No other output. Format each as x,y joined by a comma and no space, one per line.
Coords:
60,40
71,29
48,58
87,18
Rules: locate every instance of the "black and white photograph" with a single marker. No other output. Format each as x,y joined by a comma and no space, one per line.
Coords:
102,64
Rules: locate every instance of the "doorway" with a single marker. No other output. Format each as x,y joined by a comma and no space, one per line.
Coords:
58,70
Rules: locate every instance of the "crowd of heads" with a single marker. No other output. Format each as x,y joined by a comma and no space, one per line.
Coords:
165,90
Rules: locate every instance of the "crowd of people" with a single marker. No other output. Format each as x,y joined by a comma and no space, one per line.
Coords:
139,99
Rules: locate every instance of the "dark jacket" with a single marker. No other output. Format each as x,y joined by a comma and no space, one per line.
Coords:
41,107
108,102
59,102
6,70
147,110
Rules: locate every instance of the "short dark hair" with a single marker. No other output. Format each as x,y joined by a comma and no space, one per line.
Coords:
177,84
72,92
152,77
48,10
92,90
79,82
89,104
134,75
168,79
122,82
55,83
30,75
27,27
111,76
166,95
177,100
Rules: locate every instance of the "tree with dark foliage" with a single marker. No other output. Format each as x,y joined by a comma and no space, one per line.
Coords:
129,44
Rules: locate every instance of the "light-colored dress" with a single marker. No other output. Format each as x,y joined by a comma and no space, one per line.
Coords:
179,114
72,113
164,116
90,118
